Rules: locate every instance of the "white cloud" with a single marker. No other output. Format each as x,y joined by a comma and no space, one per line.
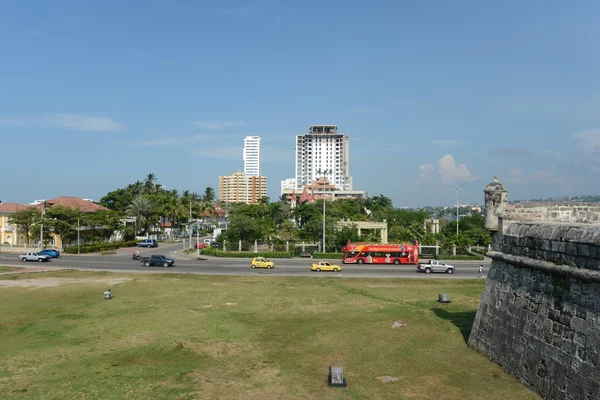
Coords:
216,125
516,172
588,140
363,110
173,141
74,122
451,173
447,142
426,170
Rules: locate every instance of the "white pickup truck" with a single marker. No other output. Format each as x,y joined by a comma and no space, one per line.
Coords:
436,266
31,256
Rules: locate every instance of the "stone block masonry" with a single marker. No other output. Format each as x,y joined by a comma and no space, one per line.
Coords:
539,316
587,213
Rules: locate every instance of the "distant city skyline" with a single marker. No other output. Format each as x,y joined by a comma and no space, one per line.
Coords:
430,97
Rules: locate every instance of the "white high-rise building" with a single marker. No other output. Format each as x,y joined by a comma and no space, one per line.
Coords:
323,149
252,155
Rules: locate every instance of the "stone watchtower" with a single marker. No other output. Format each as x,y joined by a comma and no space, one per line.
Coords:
496,200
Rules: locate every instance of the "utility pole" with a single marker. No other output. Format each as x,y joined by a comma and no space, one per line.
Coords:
190,220
198,241
77,235
457,189
42,227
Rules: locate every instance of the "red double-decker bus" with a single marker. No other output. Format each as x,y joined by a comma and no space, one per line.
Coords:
374,253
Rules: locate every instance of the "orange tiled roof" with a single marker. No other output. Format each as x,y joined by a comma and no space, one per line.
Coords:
75,202
12,207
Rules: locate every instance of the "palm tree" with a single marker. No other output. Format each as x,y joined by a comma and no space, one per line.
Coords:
209,194
277,213
149,183
205,208
141,208
264,203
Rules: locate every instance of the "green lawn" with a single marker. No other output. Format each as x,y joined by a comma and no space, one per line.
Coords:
218,337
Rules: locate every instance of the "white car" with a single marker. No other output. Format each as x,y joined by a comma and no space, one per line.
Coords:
436,266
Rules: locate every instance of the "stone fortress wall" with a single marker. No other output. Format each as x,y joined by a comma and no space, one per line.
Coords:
539,315
587,213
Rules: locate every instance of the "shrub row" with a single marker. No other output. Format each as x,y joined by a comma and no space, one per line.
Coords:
211,251
463,257
98,247
337,256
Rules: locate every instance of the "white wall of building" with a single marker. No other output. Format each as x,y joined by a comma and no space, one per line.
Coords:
323,148
252,155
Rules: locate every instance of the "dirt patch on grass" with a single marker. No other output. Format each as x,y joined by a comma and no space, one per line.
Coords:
215,348
51,282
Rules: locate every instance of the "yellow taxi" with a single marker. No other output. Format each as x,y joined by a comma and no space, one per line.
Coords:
325,266
261,262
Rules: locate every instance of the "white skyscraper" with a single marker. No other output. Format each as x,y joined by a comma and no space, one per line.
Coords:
323,149
252,155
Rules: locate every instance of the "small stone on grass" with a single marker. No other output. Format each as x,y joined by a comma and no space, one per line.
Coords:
399,324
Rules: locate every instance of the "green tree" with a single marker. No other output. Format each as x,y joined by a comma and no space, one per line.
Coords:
209,195
63,221
141,208
25,220
149,186
118,200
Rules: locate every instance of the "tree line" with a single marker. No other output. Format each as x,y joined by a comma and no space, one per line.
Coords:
150,204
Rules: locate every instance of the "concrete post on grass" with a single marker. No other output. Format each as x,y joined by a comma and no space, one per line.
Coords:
287,246
272,247
224,245
240,245
453,249
255,246
437,248
303,247
469,248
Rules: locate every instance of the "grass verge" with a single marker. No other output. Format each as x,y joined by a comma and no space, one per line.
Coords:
258,337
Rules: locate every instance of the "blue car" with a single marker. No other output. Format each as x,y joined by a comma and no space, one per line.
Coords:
49,252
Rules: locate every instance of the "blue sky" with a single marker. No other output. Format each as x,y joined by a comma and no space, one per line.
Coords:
95,95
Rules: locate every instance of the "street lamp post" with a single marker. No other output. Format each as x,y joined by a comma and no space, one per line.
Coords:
190,221
324,173
77,235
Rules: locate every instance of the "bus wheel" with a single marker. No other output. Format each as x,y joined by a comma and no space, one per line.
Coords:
396,261
360,261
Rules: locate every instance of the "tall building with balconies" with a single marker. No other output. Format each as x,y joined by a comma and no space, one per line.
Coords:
252,155
241,188
323,148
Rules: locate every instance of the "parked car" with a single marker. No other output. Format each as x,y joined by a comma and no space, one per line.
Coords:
216,245
207,242
148,243
325,266
200,245
158,260
32,256
261,262
436,266
50,252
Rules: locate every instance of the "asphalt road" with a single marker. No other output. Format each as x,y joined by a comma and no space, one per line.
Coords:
232,266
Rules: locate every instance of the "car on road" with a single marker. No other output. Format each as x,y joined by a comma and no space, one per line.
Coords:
325,266
261,262
200,245
436,266
158,260
50,252
148,243
33,256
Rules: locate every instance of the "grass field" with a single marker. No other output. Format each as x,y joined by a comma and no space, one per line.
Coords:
219,337
8,269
